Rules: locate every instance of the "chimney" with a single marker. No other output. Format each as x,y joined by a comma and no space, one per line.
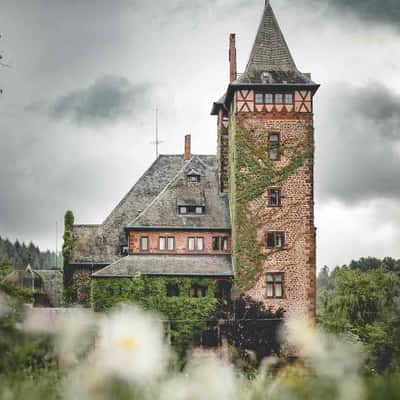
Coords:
232,58
187,148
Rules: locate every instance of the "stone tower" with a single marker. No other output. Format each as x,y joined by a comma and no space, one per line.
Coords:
266,162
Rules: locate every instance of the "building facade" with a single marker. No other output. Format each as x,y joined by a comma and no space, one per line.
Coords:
246,214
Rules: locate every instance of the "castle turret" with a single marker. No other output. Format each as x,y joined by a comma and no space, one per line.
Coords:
266,159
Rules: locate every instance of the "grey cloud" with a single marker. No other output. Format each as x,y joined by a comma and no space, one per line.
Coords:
358,130
379,11
108,99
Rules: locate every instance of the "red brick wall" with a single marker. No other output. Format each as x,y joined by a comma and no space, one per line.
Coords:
181,241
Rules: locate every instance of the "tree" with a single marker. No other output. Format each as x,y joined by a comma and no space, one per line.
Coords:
67,246
366,304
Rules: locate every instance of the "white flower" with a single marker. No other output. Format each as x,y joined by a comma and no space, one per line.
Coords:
70,329
206,377
131,345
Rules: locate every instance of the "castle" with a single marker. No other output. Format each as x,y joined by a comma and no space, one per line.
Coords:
244,217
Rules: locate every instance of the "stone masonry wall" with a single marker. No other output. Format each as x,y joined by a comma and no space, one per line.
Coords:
295,216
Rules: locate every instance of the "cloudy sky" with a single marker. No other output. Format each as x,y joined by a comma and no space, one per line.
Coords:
77,112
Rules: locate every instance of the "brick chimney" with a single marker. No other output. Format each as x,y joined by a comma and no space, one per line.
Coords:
187,148
232,58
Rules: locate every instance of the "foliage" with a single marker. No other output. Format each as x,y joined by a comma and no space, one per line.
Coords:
20,294
68,240
252,329
365,304
69,291
21,254
251,173
186,316
21,353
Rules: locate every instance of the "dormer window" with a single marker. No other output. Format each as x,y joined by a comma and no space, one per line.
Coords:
191,210
193,178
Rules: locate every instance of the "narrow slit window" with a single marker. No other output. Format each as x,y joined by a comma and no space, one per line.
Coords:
224,244
274,197
162,243
200,244
215,243
171,243
144,243
273,146
191,244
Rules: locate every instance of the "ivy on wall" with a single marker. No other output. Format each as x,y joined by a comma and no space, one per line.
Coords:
186,315
69,293
251,174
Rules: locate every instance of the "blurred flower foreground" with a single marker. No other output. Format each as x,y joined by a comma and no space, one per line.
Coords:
125,355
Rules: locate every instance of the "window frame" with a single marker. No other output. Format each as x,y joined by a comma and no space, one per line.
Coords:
277,143
262,95
270,190
195,244
275,233
171,239
194,178
222,243
172,289
272,99
274,283
196,289
291,96
141,244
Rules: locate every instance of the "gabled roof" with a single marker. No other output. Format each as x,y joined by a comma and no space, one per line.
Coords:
99,244
162,212
152,202
178,265
271,54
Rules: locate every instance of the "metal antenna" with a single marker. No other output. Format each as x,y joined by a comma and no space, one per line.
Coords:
157,142
56,244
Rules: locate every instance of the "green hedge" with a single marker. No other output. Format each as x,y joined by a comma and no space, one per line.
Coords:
187,315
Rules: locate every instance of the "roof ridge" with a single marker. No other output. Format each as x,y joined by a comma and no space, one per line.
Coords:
159,195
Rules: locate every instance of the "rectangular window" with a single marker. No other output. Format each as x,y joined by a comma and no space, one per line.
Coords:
274,197
273,146
194,178
259,98
171,243
279,98
269,98
215,243
162,243
191,244
275,285
144,243
275,240
288,98
199,210
198,291
182,210
200,244
225,244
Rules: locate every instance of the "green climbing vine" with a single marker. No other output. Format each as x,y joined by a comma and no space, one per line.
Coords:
251,174
186,315
69,292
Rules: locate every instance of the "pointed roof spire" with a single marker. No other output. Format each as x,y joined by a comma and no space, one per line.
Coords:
270,54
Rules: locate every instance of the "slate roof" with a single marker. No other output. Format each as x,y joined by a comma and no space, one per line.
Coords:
51,280
151,202
271,54
178,265
162,211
